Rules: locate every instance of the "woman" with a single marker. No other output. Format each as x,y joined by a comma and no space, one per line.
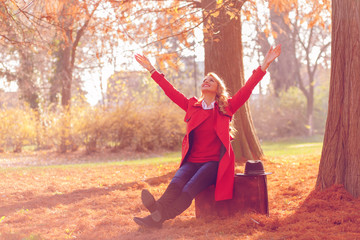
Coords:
207,155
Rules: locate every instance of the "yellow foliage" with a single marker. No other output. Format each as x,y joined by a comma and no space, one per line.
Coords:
215,14
17,128
231,14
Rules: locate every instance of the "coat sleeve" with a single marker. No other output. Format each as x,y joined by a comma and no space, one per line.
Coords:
244,93
175,96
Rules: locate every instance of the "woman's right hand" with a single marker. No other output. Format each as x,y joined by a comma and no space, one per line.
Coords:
144,62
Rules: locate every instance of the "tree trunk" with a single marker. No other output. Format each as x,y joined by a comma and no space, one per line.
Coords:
283,73
340,160
25,80
66,81
65,74
224,56
310,108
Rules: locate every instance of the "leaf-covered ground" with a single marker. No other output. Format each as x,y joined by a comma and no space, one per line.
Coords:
98,201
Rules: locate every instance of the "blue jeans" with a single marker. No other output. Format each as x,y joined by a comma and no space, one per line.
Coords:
193,178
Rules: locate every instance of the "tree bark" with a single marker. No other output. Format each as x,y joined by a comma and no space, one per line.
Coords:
64,70
310,110
340,159
224,56
66,82
283,73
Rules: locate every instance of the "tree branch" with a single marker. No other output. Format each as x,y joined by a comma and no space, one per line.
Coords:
80,33
318,57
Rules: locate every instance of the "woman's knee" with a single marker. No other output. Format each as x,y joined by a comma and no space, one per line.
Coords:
184,174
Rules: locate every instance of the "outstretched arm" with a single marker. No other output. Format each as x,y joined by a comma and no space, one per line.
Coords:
271,55
244,93
175,96
144,62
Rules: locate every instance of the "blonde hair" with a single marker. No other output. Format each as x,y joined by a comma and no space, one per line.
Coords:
221,98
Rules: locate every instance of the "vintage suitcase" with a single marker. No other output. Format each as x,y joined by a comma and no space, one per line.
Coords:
250,194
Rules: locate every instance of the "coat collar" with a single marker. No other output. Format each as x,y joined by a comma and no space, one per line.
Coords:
199,103
195,103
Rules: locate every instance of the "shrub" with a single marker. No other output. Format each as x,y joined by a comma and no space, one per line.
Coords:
285,116
146,128
132,126
17,128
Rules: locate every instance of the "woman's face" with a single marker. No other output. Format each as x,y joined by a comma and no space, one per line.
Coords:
209,85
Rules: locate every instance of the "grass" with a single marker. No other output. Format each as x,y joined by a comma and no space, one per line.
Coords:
294,146
279,148
166,158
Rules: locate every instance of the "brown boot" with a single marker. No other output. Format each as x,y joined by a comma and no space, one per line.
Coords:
148,200
148,222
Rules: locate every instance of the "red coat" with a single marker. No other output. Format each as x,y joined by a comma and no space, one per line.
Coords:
194,117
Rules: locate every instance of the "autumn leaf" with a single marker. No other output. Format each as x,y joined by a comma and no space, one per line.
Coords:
231,14
215,14
275,34
267,31
247,14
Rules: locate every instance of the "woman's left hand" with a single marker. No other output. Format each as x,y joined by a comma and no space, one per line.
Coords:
144,62
272,54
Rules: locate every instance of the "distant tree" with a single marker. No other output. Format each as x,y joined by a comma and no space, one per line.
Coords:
16,35
340,159
283,73
72,19
304,29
